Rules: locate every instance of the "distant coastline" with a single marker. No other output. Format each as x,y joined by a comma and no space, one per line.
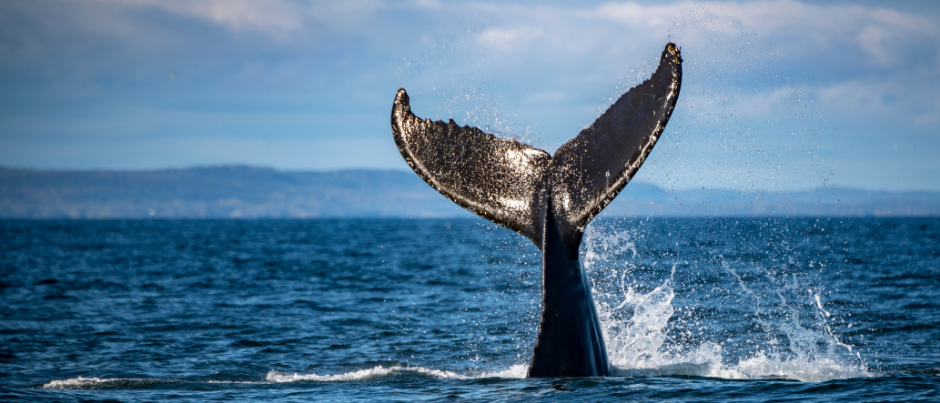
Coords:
254,192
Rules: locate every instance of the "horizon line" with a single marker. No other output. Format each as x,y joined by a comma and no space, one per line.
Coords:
363,169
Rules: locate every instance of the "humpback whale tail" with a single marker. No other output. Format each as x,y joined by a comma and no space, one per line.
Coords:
549,200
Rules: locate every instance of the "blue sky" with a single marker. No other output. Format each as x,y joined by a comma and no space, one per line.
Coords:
777,95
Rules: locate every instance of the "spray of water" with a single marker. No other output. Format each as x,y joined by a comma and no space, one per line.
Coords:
639,325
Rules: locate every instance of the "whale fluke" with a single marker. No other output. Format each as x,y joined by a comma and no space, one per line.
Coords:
497,179
591,169
550,200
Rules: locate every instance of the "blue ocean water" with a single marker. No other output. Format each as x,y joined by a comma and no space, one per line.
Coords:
800,309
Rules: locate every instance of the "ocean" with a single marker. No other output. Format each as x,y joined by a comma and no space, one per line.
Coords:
693,309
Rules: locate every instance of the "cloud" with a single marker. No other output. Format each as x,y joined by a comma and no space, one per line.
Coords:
808,28
510,40
867,61
870,29
637,15
529,31
883,99
279,19
275,17
749,66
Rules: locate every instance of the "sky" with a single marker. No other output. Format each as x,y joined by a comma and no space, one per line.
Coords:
776,95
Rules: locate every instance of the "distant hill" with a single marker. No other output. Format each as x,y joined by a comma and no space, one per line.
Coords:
217,192
251,192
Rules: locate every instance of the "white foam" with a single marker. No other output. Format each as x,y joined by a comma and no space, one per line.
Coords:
87,383
274,376
376,372
639,346
515,371
107,383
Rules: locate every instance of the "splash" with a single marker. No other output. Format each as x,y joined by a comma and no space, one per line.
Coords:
517,371
640,326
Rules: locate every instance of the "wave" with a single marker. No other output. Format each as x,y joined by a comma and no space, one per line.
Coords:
274,376
82,383
515,371
363,374
94,383
756,368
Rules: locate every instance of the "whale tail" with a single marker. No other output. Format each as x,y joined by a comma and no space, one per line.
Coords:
512,184
548,199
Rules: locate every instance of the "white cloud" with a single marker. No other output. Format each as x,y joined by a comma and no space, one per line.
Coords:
277,18
510,40
608,28
728,42
637,15
873,40
551,64
810,28
883,99
756,105
271,16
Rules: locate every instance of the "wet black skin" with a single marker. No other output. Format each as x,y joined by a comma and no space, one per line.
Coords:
549,200
570,341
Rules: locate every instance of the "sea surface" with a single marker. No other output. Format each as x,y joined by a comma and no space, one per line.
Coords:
799,309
